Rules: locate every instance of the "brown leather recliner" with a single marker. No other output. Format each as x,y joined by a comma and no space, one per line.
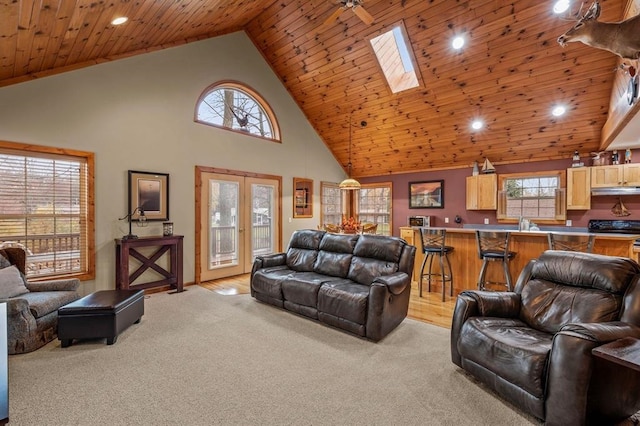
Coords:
533,345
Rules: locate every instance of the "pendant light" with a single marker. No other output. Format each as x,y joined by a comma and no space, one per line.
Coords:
349,184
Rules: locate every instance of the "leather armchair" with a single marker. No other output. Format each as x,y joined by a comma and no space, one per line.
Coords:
533,345
32,317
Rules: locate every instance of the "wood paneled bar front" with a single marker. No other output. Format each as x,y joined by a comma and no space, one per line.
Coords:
528,245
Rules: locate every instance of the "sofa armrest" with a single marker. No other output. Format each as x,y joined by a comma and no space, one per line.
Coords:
388,304
396,283
571,364
15,306
502,304
267,261
602,332
473,303
68,284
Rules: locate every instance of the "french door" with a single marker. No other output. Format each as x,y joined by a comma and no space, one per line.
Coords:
239,218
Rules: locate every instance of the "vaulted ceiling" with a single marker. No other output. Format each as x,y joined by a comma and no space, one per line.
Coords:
510,73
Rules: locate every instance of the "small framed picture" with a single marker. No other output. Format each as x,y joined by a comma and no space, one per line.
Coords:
426,195
149,192
301,198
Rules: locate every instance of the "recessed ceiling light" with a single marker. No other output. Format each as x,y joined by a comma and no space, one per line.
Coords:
119,21
458,42
558,110
477,125
561,6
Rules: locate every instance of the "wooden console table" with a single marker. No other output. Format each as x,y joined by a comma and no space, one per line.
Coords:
126,248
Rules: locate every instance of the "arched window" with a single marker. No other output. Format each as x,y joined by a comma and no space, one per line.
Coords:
234,106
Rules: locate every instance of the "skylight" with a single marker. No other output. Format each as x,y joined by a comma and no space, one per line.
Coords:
395,59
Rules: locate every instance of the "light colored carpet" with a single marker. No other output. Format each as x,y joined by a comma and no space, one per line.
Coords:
200,358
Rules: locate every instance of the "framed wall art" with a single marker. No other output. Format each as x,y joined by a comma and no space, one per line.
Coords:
149,192
426,195
302,197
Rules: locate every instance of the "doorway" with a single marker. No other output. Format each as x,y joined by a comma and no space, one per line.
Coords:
237,219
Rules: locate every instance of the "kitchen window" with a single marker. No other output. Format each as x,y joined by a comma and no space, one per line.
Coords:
538,196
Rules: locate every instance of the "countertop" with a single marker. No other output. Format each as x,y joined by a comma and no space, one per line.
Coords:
544,230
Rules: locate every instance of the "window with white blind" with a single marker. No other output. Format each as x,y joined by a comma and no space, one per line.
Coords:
374,206
46,207
330,204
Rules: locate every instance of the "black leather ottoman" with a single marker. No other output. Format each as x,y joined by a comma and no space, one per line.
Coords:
103,314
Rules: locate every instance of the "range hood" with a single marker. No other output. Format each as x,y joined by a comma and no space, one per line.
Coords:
616,190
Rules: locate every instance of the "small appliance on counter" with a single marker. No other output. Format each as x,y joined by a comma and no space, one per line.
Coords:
420,221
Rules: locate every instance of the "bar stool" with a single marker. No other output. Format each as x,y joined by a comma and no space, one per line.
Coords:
433,244
494,246
571,242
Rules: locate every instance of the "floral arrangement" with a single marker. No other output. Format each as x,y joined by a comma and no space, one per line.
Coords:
350,225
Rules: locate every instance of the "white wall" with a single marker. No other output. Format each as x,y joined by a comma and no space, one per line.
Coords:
137,114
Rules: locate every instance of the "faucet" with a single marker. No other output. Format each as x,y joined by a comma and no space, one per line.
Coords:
523,224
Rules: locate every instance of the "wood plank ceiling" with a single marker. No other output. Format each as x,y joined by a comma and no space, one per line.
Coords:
510,73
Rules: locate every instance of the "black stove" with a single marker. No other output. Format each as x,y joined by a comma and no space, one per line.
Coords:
614,226
617,226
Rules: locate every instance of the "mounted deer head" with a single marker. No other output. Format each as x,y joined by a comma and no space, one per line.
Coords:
621,38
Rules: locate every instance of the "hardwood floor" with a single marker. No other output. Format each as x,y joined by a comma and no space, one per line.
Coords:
428,308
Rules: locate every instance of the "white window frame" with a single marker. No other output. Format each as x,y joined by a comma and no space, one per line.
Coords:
558,198
331,209
374,208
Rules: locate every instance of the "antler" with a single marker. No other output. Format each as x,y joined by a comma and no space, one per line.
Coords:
593,12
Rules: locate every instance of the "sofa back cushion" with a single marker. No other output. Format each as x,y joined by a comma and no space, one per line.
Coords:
334,257
373,256
567,287
303,249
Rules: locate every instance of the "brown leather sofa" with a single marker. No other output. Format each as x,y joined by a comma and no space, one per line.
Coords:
533,345
358,283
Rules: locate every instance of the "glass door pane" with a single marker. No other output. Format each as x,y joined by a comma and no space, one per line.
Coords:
262,236
223,223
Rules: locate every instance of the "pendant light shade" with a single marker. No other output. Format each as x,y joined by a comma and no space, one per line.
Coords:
349,184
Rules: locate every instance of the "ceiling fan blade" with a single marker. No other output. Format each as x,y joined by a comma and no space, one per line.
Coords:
330,20
363,14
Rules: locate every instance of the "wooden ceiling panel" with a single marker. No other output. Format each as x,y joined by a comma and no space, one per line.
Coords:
509,74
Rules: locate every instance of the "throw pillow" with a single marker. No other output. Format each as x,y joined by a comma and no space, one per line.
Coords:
11,283
4,262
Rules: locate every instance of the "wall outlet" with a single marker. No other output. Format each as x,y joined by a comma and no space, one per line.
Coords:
290,219
569,223
446,220
486,220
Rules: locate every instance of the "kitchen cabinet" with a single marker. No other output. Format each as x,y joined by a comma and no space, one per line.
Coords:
482,192
579,188
615,175
406,233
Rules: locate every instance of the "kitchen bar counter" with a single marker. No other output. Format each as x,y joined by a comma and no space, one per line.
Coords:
527,244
